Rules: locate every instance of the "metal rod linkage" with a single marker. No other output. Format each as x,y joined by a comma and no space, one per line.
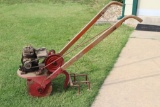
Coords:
88,26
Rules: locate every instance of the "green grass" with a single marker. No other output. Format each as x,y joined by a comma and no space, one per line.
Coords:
88,2
52,26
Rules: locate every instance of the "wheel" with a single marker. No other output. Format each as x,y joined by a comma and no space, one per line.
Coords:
35,89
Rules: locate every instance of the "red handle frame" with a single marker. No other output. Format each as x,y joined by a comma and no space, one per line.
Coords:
79,35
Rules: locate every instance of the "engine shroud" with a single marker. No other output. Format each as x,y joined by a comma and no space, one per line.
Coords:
29,60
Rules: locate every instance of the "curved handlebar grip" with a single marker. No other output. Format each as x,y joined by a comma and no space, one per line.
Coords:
127,17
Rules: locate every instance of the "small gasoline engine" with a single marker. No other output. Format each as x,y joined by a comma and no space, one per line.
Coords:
30,59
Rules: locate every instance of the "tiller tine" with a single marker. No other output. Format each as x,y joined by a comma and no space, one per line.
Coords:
41,86
36,90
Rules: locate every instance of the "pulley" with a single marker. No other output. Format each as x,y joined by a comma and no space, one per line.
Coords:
53,62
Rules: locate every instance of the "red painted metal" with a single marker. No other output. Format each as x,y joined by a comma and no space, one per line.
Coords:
35,89
40,85
51,52
66,82
53,62
99,39
83,31
51,76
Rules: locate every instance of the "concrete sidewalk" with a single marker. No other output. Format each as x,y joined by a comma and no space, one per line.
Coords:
135,79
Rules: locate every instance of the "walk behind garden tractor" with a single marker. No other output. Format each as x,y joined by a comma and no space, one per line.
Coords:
39,74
